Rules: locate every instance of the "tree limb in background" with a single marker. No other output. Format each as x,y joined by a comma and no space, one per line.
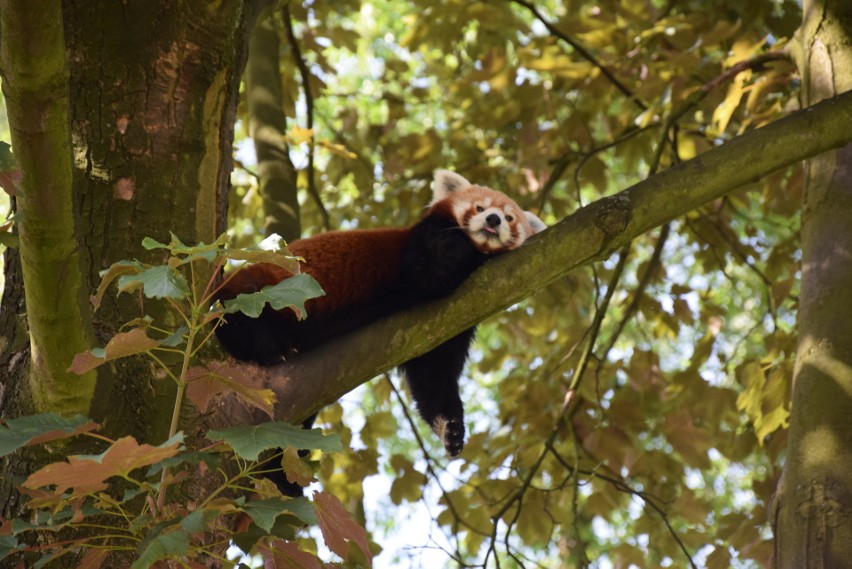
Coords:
591,234
267,127
309,110
583,52
35,84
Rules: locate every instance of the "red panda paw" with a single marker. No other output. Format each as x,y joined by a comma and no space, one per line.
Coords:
451,432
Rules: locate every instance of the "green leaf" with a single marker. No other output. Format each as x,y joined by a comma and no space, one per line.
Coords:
264,512
9,545
172,544
291,292
150,244
7,160
303,509
176,247
193,458
176,338
248,441
161,281
199,521
41,428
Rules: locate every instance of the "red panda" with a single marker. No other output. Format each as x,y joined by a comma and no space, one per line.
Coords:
370,273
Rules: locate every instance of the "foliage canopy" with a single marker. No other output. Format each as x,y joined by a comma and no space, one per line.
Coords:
672,447
633,413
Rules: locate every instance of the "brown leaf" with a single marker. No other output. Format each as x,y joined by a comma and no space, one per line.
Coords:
10,180
338,528
88,475
123,344
280,554
217,378
94,558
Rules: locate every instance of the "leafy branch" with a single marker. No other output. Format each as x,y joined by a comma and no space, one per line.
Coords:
121,502
322,376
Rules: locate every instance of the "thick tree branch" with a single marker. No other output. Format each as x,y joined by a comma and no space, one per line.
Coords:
267,127
35,84
591,234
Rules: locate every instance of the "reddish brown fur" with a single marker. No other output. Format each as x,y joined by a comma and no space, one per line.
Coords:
332,259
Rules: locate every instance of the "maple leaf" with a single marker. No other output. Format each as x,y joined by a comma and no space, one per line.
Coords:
280,553
41,428
87,474
123,344
205,383
338,528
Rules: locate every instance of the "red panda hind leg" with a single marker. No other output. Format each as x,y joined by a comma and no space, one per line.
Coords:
433,379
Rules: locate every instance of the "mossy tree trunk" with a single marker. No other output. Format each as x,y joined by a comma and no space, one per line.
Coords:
813,525
151,90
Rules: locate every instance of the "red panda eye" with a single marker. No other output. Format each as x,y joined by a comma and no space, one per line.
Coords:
480,209
509,218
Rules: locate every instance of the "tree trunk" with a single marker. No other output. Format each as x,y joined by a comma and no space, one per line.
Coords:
36,89
813,525
153,92
267,127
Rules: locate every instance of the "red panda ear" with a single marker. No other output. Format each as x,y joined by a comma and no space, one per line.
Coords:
446,183
537,225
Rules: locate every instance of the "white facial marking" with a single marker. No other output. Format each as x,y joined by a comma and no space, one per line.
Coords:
460,207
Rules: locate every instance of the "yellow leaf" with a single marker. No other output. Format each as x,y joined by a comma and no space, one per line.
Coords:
723,113
299,135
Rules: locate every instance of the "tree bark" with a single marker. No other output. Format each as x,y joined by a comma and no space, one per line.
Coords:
153,92
813,523
321,376
152,118
35,84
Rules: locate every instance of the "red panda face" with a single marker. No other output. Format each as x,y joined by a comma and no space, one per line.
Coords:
492,220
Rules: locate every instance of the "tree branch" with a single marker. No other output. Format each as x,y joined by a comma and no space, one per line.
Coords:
268,126
35,84
591,234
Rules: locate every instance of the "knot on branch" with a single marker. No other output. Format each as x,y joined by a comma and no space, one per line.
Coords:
614,215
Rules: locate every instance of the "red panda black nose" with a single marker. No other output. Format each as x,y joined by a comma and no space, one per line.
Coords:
493,220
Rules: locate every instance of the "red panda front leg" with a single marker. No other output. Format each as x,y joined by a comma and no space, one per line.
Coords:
434,382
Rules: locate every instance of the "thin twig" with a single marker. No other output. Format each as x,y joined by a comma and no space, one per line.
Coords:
309,109
585,53
639,291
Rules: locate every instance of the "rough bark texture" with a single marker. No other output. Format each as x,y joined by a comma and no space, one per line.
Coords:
35,84
267,127
813,525
320,377
153,92
154,87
